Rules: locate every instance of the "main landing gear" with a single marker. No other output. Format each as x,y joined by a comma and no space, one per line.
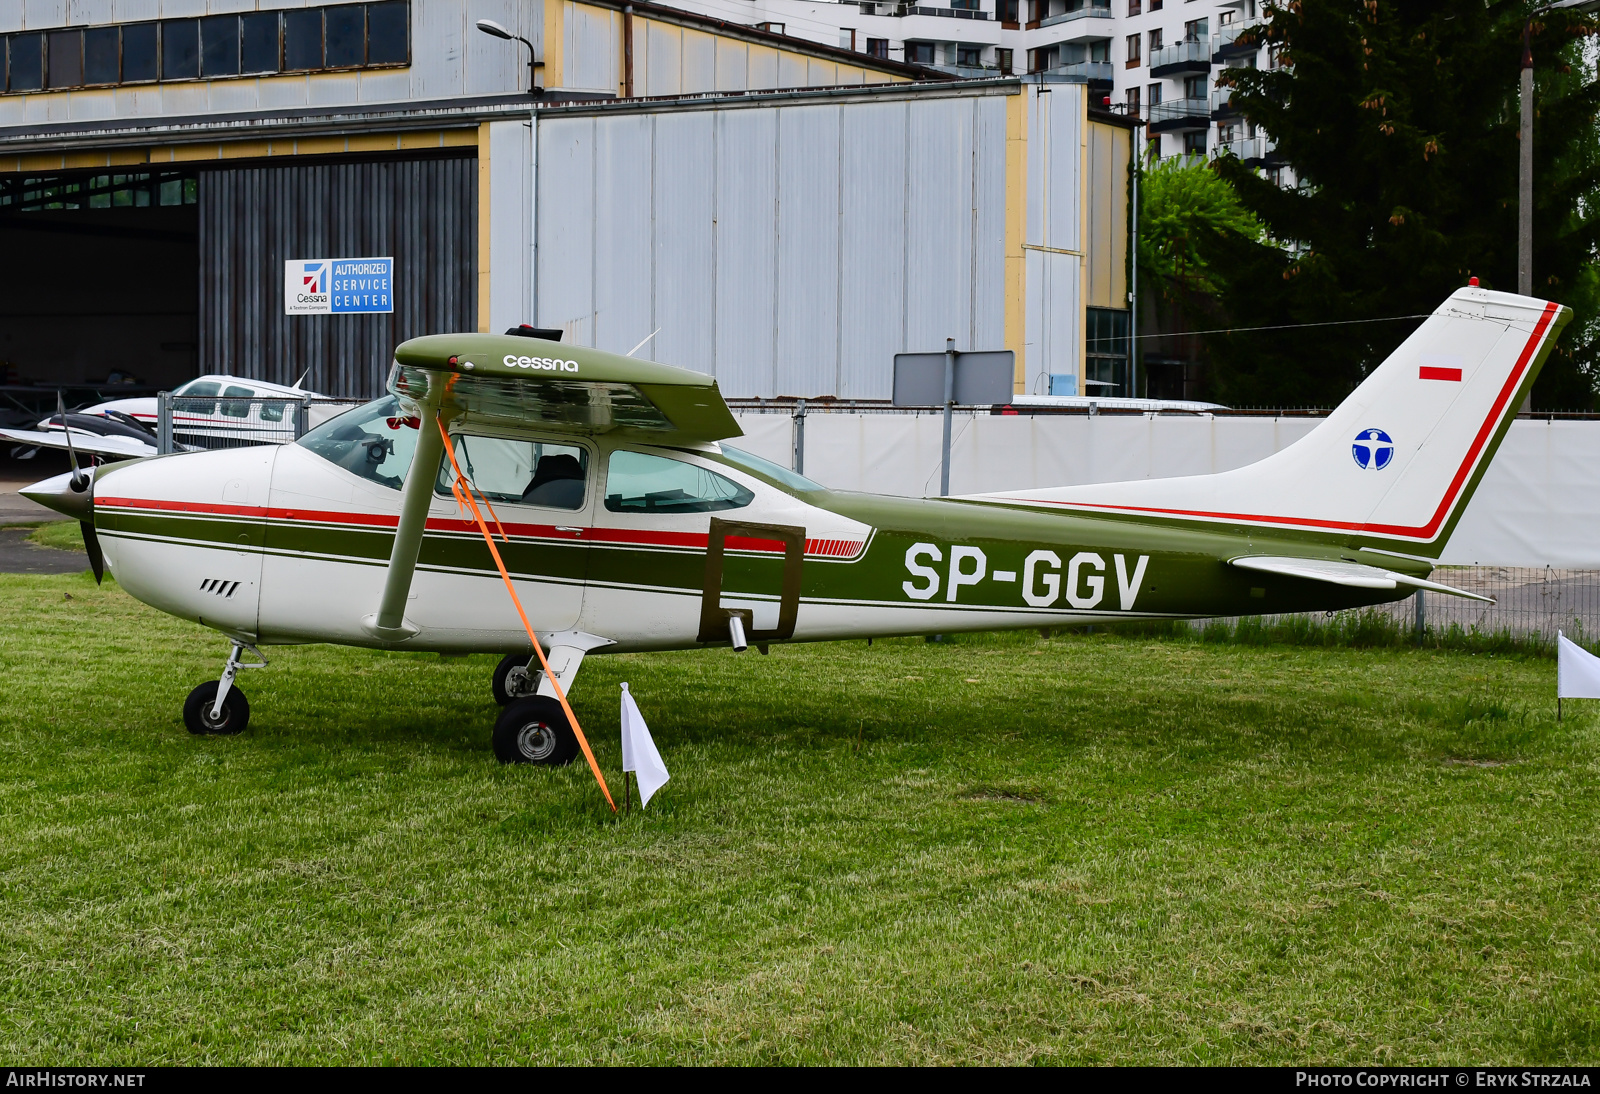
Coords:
216,707
534,730
517,676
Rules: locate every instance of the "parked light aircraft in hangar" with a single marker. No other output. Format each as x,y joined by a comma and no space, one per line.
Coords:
623,521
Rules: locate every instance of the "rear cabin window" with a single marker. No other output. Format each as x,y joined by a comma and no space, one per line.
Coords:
376,441
640,483
552,476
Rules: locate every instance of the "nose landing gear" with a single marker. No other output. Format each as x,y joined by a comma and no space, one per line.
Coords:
517,676
216,707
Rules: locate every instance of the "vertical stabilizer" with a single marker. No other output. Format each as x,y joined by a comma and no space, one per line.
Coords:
1396,462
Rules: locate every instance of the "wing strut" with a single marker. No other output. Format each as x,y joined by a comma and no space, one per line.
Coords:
555,683
390,623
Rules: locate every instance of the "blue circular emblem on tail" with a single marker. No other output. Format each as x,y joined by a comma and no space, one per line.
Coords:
1373,450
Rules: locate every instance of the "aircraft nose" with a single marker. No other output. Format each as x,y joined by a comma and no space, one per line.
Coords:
60,494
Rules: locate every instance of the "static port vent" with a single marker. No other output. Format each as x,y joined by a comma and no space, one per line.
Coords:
219,586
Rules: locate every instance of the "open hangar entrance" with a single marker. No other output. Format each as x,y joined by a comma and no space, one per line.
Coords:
101,286
148,278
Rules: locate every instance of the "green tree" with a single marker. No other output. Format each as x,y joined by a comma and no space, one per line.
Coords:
1400,123
1184,207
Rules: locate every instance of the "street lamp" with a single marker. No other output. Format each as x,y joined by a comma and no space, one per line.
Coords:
490,27
1525,166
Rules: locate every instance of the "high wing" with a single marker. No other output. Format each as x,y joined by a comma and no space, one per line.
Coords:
82,440
1352,574
506,381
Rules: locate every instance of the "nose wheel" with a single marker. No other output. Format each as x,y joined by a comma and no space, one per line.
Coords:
216,707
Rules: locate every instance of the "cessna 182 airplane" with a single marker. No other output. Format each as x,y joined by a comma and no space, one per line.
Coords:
622,521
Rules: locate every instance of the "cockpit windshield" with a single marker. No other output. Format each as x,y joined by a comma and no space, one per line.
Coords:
376,441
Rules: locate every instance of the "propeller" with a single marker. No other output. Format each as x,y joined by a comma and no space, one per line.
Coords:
80,482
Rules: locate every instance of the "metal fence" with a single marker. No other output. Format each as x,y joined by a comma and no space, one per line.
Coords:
215,421
1528,601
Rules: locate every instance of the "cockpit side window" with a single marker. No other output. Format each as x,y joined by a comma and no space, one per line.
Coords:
637,482
376,441
517,472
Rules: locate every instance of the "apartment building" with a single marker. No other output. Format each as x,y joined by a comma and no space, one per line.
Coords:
1157,59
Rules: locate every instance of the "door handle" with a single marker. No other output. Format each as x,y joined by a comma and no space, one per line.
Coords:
569,528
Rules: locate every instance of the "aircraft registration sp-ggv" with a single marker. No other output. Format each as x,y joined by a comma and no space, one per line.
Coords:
626,524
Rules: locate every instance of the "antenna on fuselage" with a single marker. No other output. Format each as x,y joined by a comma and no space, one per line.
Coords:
641,345
300,381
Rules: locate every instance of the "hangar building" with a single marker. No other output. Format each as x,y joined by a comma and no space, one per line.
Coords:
784,214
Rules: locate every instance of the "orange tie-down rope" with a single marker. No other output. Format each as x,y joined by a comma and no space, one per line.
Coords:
455,487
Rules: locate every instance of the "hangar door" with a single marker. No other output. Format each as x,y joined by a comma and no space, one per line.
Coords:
421,211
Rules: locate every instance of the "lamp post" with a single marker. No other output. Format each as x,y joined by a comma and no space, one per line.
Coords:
490,27
495,30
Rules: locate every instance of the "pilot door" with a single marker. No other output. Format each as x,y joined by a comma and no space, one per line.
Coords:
536,496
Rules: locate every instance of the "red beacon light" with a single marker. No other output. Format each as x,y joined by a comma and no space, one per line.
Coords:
1472,281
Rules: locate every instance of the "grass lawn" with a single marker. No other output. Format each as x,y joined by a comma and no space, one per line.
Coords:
998,849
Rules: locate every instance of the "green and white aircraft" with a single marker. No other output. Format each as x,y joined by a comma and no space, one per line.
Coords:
626,522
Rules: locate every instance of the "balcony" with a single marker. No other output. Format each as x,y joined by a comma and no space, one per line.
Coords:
1251,151
943,13
1179,114
1088,11
1226,44
1089,72
1178,59
1222,103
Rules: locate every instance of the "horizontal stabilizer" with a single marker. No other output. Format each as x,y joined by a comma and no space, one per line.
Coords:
1352,574
97,443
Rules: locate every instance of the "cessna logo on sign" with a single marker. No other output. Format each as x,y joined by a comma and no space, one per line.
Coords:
338,286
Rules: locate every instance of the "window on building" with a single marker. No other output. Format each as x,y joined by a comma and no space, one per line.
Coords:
1105,369
1100,51
1134,7
1154,40
1002,58
969,56
65,62
1010,12
23,195
302,39
141,59
1194,142
345,36
1154,94
1155,5
879,48
388,33
102,49
258,42
919,53
771,28
1227,133
1132,95
847,38
180,49
1133,51
25,62
219,46
1194,87
1195,30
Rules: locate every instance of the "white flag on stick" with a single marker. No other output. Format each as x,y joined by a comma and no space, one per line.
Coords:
1577,670
639,753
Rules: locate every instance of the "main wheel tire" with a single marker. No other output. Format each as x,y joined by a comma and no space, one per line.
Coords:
513,679
197,711
534,731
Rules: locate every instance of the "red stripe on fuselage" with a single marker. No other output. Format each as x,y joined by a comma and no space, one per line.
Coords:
1424,531
621,536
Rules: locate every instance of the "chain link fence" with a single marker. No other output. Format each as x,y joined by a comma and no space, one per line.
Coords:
1529,602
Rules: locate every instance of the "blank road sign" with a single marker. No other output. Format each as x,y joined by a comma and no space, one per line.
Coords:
982,377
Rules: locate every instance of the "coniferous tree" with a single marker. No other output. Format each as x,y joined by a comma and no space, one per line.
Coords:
1400,123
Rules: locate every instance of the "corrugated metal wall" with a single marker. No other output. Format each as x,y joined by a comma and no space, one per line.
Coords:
423,212
789,249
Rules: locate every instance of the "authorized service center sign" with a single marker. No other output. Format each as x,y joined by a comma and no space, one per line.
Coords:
338,286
